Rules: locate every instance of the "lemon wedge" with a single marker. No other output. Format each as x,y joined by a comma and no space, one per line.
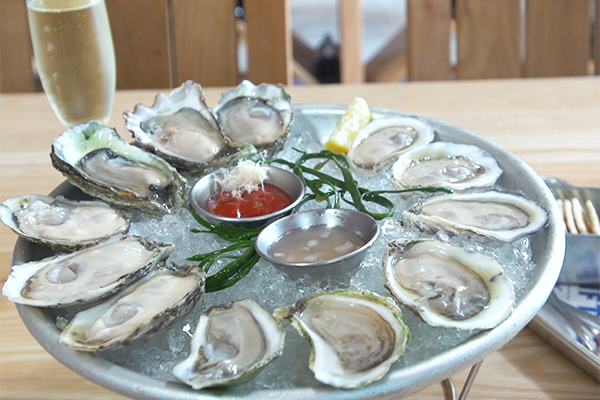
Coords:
357,115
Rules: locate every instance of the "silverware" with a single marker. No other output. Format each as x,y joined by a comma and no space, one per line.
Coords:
586,326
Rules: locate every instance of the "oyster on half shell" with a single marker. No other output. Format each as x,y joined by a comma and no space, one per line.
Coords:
232,343
447,285
384,139
261,115
497,215
181,128
150,304
86,275
61,223
95,159
454,166
355,335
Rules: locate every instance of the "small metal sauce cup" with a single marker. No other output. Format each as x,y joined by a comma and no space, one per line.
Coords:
353,221
208,186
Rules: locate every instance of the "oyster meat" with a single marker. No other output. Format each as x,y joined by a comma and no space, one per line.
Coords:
261,115
86,275
498,215
150,304
95,158
447,285
383,140
181,128
232,343
451,165
61,223
355,335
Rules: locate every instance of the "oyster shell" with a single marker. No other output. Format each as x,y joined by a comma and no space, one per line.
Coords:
86,275
451,165
95,158
232,343
447,285
60,223
180,128
261,115
148,305
498,215
383,140
355,335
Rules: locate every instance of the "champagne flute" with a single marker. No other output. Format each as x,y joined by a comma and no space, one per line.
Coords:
75,57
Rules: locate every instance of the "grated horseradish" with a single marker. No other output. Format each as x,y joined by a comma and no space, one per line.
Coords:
247,176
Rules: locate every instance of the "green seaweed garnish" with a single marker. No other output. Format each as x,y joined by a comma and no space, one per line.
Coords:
319,186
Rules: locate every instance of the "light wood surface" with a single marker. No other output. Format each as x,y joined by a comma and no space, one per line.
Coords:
552,124
557,36
428,40
488,34
269,38
141,48
500,39
596,49
16,48
352,69
204,41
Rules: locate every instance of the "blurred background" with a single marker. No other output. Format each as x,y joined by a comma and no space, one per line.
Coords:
315,25
161,43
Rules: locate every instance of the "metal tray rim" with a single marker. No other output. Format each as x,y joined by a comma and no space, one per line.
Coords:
396,384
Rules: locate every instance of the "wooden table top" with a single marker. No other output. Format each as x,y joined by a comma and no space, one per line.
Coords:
552,124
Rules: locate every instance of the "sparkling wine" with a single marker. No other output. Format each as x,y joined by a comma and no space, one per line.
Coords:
75,57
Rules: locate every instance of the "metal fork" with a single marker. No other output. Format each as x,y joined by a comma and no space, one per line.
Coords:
585,325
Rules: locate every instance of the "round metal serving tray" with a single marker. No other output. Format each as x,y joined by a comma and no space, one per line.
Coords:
548,246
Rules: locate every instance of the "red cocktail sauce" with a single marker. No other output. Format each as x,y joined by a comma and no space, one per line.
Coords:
265,200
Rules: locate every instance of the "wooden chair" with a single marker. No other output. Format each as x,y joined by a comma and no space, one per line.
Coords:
16,72
496,39
161,43
198,40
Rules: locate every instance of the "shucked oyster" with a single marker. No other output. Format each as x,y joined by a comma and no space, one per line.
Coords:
180,128
447,285
384,139
150,304
86,275
451,165
494,214
95,158
232,343
261,115
356,335
62,223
